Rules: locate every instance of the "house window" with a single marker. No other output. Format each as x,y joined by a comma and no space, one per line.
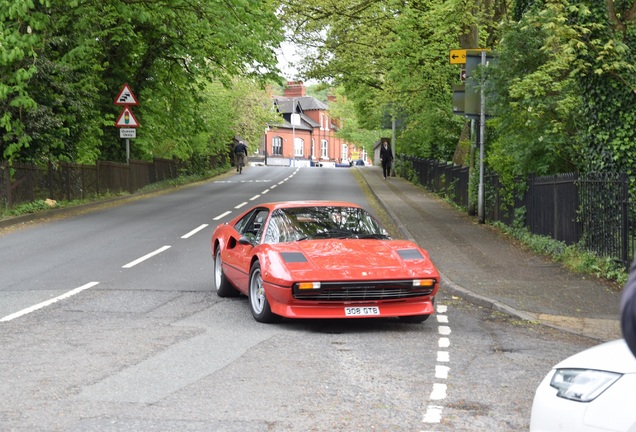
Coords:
324,149
299,144
313,148
277,146
345,152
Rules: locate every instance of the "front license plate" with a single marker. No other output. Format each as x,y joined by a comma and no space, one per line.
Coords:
362,311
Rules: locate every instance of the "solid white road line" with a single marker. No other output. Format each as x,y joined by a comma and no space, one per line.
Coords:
145,257
48,302
194,231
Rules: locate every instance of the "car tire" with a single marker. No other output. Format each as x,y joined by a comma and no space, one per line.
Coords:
221,284
258,301
414,319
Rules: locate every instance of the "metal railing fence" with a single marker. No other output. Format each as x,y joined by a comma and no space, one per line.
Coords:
593,210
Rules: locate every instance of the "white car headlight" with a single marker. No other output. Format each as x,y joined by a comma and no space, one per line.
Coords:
582,385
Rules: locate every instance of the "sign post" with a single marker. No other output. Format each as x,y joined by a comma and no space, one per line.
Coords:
295,121
470,102
126,119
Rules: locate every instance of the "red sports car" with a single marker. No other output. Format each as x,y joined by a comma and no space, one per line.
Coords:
321,259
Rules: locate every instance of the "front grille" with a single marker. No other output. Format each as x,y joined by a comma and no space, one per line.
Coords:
367,290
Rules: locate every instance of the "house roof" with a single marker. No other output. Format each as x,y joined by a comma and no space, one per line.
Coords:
286,106
305,103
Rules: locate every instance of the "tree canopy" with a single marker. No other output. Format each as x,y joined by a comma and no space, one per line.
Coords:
561,90
63,62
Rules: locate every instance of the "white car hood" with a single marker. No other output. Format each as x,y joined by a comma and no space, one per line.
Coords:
612,356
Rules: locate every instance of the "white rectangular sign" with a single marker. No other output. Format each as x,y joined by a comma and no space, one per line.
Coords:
127,133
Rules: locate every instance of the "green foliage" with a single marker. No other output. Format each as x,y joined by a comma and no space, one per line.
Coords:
563,89
391,57
535,99
350,129
572,257
607,85
63,62
27,208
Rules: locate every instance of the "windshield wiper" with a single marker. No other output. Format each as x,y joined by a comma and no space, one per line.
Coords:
375,236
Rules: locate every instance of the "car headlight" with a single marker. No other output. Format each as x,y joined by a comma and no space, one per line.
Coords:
582,385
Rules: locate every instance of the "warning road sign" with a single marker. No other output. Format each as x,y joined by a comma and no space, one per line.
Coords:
125,97
127,119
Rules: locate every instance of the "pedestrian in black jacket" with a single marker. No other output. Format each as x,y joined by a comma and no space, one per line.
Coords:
628,310
386,157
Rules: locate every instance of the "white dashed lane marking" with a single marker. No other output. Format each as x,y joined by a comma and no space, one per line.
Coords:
194,231
145,257
48,302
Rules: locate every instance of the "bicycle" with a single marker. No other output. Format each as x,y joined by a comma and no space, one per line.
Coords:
239,162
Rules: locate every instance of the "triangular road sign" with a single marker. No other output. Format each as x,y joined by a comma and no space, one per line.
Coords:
127,119
125,97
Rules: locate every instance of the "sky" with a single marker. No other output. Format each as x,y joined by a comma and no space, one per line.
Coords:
286,56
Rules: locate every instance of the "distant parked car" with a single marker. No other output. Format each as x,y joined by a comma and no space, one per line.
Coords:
360,162
321,259
594,390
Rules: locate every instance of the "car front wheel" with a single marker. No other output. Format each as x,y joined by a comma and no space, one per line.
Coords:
258,301
221,284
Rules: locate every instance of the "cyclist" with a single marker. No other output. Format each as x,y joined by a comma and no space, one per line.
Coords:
240,153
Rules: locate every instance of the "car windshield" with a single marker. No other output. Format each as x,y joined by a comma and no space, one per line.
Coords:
322,222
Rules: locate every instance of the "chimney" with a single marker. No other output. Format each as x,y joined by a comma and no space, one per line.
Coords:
294,89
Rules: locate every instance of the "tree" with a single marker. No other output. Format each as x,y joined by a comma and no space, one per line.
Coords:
165,49
393,55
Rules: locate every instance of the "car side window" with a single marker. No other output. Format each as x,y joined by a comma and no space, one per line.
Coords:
251,225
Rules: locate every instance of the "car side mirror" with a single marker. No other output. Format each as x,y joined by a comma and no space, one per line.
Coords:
243,240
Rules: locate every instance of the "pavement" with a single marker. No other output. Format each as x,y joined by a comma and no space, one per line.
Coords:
481,265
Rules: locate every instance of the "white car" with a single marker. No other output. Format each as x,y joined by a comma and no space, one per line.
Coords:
594,390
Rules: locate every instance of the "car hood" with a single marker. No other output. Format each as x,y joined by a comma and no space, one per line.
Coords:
612,356
339,254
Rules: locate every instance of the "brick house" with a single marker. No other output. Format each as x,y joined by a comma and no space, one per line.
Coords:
311,139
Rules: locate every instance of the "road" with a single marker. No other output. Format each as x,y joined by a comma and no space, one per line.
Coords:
108,323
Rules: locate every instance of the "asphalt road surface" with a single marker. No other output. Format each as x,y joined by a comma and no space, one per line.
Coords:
108,323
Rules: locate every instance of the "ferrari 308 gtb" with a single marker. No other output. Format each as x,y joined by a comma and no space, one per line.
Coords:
321,259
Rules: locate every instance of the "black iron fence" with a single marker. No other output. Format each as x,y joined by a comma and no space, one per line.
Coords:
592,210
23,183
